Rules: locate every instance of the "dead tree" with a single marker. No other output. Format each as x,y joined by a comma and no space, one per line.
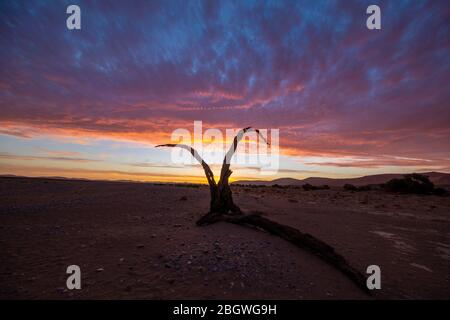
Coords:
223,208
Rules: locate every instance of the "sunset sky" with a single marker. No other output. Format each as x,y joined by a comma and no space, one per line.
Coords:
348,101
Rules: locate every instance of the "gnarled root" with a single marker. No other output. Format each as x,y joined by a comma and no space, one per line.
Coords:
294,236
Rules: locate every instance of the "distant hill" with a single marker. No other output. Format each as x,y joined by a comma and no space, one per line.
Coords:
438,178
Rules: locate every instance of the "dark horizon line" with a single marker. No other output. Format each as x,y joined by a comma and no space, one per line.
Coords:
193,183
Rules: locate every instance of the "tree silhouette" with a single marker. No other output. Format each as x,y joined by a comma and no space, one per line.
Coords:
222,208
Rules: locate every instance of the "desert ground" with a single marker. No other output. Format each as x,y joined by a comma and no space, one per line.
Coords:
140,241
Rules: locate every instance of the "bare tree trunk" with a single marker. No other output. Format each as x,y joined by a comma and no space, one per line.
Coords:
222,208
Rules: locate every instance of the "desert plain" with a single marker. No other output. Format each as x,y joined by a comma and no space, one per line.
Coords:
140,241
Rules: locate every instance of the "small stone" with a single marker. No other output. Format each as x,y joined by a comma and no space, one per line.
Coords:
99,270
140,246
60,290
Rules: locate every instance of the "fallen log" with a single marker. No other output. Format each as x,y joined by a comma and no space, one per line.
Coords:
296,237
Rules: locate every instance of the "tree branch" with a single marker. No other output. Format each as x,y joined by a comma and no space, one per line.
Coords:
209,174
226,172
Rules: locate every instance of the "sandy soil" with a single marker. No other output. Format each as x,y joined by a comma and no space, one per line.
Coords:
135,240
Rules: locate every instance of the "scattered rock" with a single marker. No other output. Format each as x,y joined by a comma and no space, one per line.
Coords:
61,290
